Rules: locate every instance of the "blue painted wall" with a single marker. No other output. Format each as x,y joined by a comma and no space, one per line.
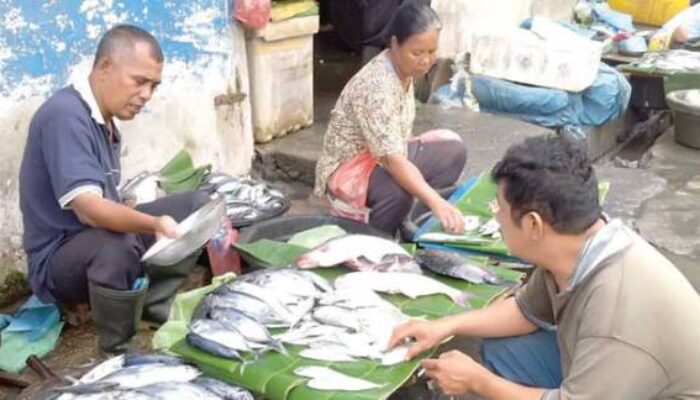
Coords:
43,39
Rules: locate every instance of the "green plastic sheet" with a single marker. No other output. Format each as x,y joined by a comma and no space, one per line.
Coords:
15,348
272,374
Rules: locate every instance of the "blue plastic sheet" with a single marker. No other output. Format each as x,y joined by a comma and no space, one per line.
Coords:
605,100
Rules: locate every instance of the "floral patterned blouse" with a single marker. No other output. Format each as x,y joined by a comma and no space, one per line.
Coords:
374,112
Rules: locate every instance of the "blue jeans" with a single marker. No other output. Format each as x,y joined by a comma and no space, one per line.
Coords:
530,360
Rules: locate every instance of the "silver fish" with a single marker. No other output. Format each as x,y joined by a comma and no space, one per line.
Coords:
292,281
454,265
411,285
250,306
223,389
214,337
323,378
360,252
327,352
276,301
249,328
336,316
138,376
177,390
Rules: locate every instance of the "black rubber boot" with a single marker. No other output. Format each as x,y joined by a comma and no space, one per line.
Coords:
116,315
165,281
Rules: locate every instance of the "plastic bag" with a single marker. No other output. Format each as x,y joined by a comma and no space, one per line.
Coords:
348,187
253,14
222,256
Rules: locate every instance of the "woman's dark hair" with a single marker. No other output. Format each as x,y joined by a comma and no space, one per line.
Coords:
551,175
412,17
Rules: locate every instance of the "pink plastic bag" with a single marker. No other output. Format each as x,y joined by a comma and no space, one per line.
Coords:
222,256
253,14
350,181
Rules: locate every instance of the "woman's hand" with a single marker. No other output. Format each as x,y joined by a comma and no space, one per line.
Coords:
449,216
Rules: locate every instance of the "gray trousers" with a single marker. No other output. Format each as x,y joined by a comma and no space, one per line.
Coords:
441,164
110,259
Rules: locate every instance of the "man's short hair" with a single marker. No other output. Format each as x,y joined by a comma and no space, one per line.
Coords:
552,176
124,37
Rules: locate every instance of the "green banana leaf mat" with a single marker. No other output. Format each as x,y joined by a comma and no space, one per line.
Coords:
272,374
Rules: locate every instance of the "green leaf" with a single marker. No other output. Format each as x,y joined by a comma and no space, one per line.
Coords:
271,252
314,237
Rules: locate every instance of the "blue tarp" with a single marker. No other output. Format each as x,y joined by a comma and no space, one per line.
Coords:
606,99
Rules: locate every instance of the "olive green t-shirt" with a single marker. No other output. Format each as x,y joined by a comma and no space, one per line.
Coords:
628,326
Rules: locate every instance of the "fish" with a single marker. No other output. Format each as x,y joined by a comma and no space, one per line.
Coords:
214,337
275,300
249,328
411,285
103,369
177,390
327,352
396,355
295,282
223,389
352,299
250,306
308,333
454,265
323,378
137,376
442,237
336,316
143,359
360,252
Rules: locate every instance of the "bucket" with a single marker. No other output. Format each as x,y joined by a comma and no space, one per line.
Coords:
685,105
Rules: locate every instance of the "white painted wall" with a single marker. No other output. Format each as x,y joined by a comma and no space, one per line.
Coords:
461,18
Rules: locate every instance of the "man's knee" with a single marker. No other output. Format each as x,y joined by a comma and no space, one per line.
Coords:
116,264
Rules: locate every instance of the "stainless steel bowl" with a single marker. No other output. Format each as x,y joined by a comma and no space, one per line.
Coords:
195,231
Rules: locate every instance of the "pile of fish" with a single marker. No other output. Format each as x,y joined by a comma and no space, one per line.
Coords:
235,318
476,231
362,253
247,199
148,377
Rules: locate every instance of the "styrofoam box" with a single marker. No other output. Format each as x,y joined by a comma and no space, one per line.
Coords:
546,56
280,64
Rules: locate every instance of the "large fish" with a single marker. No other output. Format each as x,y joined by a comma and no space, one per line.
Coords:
323,378
248,327
295,282
454,265
177,390
135,377
223,389
217,339
360,252
411,285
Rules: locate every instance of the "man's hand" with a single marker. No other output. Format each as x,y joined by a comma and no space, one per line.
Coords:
426,334
456,373
450,217
166,226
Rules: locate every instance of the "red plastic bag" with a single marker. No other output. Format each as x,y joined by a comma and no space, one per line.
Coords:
349,184
253,14
222,256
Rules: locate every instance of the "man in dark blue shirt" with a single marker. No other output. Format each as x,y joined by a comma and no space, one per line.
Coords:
81,241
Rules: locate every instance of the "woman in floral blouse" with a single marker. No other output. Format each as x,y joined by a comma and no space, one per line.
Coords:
371,168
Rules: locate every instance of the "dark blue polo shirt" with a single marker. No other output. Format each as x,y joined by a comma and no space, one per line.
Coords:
68,151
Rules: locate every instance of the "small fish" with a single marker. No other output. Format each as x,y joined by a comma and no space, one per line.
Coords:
360,252
295,282
215,338
323,378
490,228
275,300
223,389
137,376
177,390
441,237
454,265
411,285
327,352
336,316
143,359
352,299
250,306
396,355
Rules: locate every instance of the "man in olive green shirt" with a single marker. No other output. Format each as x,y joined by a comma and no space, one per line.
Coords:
626,321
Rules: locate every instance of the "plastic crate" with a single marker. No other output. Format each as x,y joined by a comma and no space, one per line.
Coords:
650,12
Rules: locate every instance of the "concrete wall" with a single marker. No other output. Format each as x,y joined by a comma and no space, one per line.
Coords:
45,45
461,18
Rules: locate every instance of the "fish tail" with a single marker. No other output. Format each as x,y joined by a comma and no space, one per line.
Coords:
461,299
278,346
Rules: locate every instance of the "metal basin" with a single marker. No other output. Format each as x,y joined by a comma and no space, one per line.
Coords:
196,230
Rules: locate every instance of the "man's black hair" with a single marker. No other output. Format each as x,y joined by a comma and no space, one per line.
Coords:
551,175
121,37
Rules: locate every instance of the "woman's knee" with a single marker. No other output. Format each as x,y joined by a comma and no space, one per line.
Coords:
116,264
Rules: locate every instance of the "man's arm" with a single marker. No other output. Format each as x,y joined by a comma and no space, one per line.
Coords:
97,212
500,319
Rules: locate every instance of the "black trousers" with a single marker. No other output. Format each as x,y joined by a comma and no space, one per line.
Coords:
441,164
107,258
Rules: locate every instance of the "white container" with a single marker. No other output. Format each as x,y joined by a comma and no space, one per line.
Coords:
548,56
280,64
